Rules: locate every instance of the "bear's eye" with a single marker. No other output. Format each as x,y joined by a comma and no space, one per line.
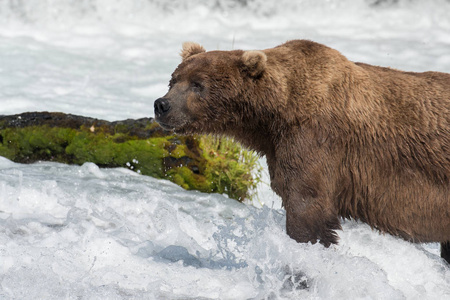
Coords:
172,82
196,87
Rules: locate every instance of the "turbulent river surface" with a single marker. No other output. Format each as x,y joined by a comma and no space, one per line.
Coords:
81,232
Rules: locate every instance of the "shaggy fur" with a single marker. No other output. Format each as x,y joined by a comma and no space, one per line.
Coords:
342,139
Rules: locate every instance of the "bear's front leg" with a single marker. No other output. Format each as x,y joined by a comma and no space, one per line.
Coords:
309,220
304,173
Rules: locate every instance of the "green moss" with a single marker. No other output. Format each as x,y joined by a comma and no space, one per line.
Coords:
187,179
7,152
179,151
201,163
230,168
121,128
144,156
27,144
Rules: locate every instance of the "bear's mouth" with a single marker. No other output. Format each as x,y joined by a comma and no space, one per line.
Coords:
165,126
177,128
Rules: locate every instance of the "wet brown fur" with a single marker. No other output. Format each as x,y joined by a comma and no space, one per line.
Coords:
342,139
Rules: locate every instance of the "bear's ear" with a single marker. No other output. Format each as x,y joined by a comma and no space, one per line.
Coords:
254,62
191,48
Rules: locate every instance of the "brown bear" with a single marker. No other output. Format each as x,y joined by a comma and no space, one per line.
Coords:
342,139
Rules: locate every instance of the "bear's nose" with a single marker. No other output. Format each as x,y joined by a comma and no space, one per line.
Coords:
162,106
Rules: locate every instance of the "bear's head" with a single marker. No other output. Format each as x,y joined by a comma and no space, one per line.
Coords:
208,92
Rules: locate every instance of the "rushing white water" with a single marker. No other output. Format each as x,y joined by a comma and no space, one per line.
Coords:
80,232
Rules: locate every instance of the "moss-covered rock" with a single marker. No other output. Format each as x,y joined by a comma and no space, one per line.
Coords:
202,163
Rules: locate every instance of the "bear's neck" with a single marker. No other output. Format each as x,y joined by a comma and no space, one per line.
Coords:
257,138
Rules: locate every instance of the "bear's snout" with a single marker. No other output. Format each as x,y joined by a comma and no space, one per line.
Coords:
162,106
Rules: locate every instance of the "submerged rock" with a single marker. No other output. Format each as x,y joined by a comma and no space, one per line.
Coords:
202,163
